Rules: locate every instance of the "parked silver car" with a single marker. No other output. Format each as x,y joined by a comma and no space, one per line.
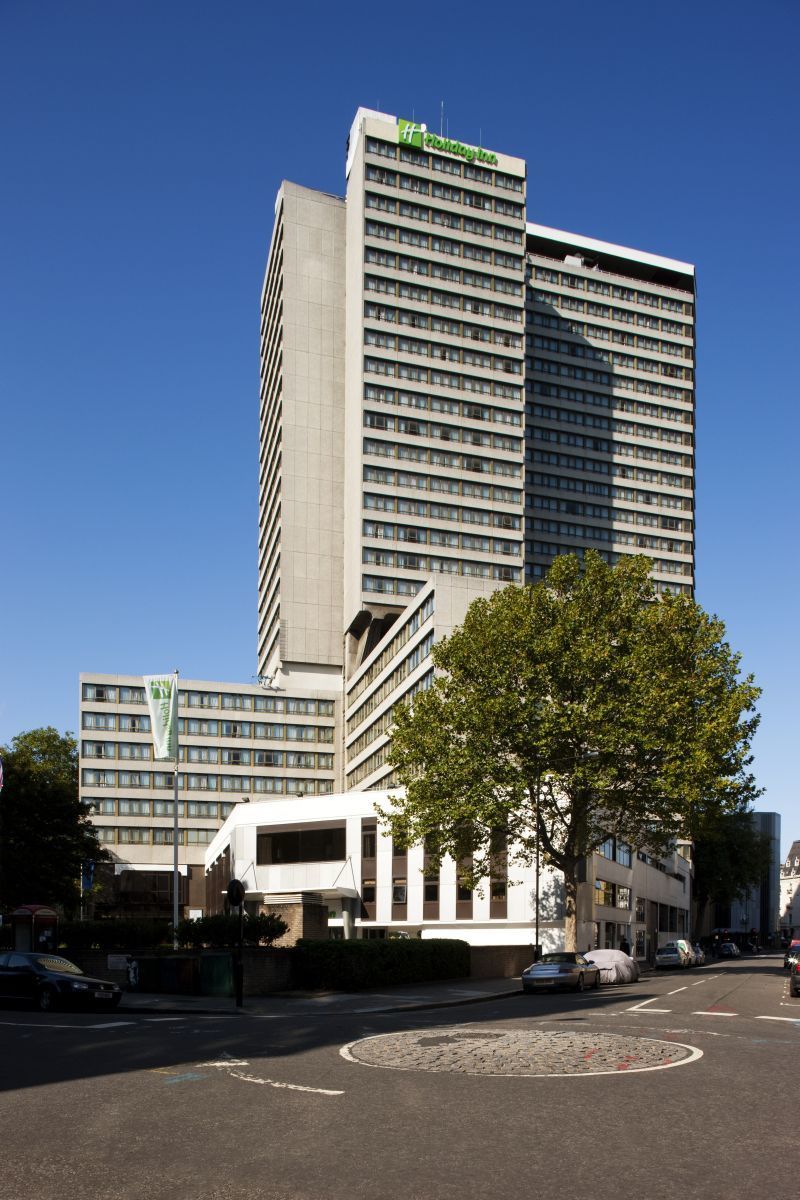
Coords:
674,954
561,969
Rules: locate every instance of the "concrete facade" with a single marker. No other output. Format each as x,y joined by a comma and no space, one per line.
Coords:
301,462
236,743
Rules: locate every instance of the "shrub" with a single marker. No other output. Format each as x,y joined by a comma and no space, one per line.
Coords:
113,934
222,929
364,963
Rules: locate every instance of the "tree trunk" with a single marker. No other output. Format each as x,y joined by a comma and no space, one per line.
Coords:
570,910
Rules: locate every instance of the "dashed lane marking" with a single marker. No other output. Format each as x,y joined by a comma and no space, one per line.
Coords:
107,1025
680,989
644,1003
791,1020
710,1012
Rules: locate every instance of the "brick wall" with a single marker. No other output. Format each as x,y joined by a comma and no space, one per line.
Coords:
499,962
306,919
266,971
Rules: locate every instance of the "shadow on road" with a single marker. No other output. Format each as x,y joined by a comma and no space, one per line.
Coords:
40,1049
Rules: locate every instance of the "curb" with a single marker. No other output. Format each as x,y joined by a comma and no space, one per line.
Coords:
394,1008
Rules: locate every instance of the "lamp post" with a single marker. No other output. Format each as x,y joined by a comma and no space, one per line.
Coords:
536,893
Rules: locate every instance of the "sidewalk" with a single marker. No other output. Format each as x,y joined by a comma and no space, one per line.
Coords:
446,994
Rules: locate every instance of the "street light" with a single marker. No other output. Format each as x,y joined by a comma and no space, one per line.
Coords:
536,896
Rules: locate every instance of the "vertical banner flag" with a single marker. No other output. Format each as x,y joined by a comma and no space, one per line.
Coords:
162,701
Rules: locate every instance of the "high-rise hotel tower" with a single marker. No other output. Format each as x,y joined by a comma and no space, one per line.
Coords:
450,397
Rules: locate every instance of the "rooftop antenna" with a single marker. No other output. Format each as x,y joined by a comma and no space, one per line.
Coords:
441,121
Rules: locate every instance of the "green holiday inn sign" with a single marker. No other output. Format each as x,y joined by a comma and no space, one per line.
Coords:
409,133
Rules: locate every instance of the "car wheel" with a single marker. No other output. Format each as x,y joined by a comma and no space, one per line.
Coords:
579,984
47,999
597,982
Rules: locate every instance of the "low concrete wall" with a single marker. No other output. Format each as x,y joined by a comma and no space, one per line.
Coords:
95,962
267,971
499,962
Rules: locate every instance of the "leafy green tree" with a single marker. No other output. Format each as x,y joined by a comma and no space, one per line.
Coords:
45,833
569,711
731,856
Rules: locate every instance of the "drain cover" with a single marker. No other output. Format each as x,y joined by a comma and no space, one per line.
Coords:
483,1051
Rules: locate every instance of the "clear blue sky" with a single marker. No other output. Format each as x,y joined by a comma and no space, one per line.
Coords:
142,145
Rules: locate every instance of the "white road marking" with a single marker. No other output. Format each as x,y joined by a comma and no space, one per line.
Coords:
791,1020
106,1025
294,1087
652,1000
680,989
707,1013
161,1020
227,1063
37,1025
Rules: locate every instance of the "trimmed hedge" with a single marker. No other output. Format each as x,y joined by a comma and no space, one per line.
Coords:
351,966
114,934
222,929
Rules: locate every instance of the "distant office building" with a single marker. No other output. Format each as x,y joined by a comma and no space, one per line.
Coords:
758,913
789,892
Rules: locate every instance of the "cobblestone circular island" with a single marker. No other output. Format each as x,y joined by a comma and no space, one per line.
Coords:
486,1051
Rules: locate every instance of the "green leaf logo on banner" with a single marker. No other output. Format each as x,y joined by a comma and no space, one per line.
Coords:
162,701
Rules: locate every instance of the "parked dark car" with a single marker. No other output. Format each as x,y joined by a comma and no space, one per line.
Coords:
729,950
794,979
792,954
50,981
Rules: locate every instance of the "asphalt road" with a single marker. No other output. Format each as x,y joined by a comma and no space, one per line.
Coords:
679,1086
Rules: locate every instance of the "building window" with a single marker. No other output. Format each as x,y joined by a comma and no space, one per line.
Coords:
301,846
432,888
399,891
368,841
604,892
